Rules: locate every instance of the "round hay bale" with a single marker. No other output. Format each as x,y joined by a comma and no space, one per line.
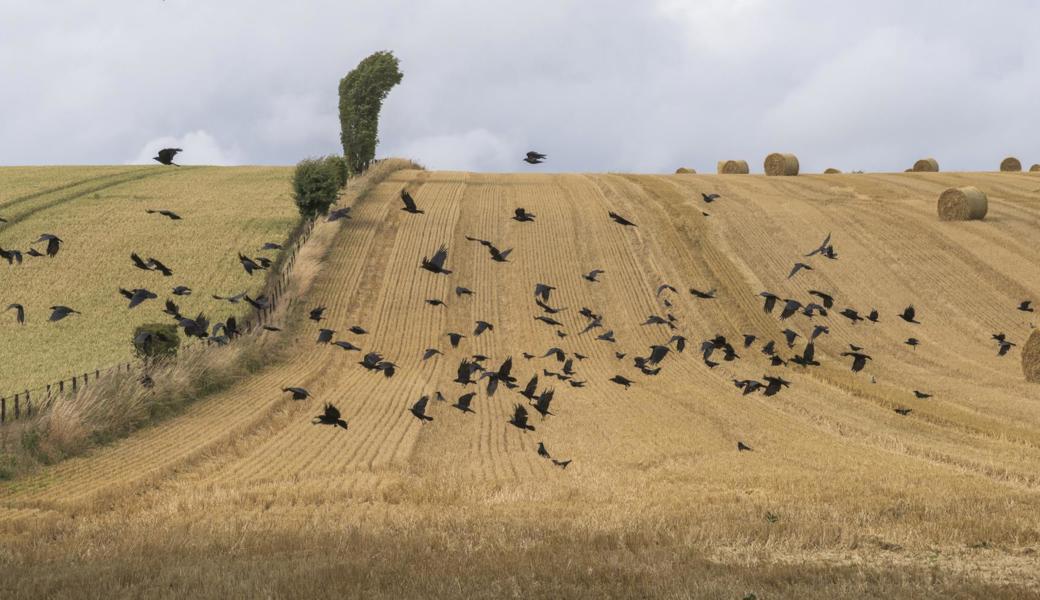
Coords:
1034,168
1010,165
779,163
1031,357
685,171
831,171
926,165
962,204
733,167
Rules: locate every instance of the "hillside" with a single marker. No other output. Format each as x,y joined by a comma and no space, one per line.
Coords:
99,212
841,496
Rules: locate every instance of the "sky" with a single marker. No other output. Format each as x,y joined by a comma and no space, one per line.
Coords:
601,85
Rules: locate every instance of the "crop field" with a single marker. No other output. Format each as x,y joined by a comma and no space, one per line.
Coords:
840,496
99,212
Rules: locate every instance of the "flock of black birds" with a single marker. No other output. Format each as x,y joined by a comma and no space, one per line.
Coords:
472,370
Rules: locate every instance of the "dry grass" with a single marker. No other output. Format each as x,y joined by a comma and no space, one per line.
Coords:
240,496
967,203
1010,165
781,164
925,165
733,167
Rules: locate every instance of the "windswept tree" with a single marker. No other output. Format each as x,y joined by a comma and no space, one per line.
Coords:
361,95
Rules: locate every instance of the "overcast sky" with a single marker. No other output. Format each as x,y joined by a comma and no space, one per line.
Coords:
601,85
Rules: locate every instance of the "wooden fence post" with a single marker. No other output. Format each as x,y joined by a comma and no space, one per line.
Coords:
17,408
73,383
28,404
3,410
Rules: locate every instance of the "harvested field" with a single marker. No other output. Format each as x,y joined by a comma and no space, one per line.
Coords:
241,496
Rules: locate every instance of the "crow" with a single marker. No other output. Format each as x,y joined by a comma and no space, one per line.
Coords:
419,409
769,349
542,451
166,155
742,447
501,375
481,327
298,393
873,317
620,220
791,336
19,312
908,315
859,360
828,300
1024,306
139,263
749,339
548,320
60,312
549,309
166,213
806,358
158,266
357,330
522,216
665,286
556,353
851,315
922,395
271,328
196,327
709,295
709,198
562,463
455,338
593,274
542,403
533,161
436,264
812,309
316,314
773,385
519,419
790,308
345,345
903,411
259,303
542,290
182,290
430,353
465,372
53,243
499,255
536,156
409,203
11,256
531,388
248,264
912,342
232,299
373,361
1005,346
271,246
607,336
621,380
325,335
435,302
680,344
461,291
657,320
331,416
657,354
748,385
464,401
770,302
137,295
822,248
818,331
798,266
339,213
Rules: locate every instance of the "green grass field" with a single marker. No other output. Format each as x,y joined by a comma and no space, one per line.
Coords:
100,214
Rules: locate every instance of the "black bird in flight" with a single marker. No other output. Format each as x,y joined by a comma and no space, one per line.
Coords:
158,266
709,198
542,451
137,295
298,393
419,409
535,158
859,360
19,312
166,213
464,401
519,419
339,213
466,371
248,264
742,447
798,266
481,327
770,301
345,345
851,314
828,300
166,156
325,335
543,401
409,203
708,295
462,291
922,395
53,243
232,299
430,353
60,312
903,411
620,220
436,264
562,463
873,317
908,315
522,216
822,248
455,338
773,384
912,342
271,246
1025,306
791,307
593,274
331,416
622,380
435,302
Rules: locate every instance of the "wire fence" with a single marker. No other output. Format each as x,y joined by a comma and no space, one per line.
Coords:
24,403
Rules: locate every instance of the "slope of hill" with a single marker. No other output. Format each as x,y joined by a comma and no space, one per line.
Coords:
99,212
841,495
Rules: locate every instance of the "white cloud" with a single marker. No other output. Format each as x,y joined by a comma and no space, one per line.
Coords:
475,150
198,148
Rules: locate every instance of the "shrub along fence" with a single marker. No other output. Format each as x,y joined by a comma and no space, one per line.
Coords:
24,403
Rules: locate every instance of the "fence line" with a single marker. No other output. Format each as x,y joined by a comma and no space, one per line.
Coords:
18,405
